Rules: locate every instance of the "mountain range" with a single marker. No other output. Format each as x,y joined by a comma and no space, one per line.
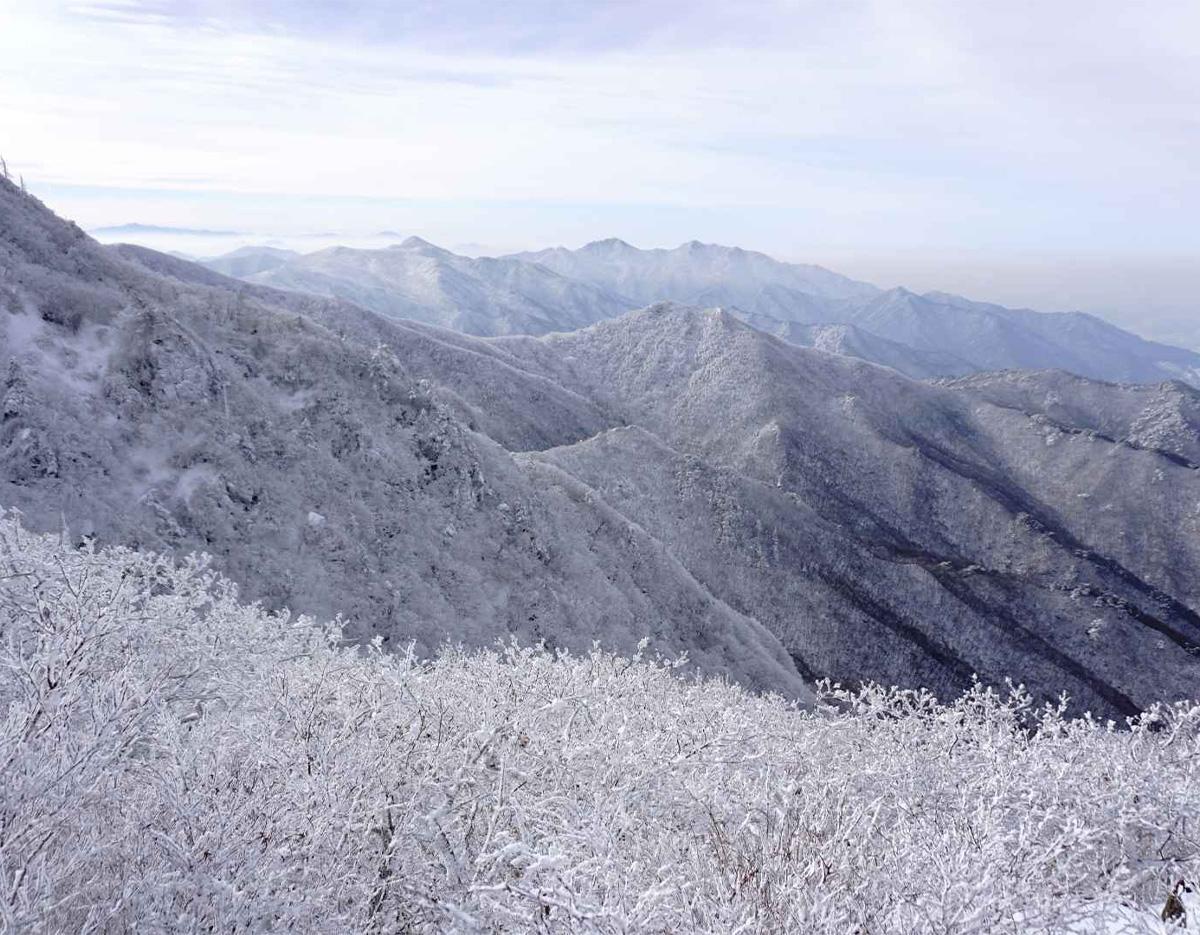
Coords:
779,513
922,336
416,280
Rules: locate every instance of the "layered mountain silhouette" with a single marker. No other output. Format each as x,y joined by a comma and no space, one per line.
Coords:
250,261
922,336
960,333
416,280
780,513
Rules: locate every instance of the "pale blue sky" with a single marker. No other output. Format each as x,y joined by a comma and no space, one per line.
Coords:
878,137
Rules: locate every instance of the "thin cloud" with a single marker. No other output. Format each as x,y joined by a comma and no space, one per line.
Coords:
873,123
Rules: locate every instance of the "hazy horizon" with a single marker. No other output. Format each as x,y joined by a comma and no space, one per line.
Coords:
1152,296
1026,154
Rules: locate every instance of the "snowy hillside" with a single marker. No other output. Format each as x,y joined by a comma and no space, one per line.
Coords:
1164,417
885,528
780,513
991,337
317,467
178,761
852,341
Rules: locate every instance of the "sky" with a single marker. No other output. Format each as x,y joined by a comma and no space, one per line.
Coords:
1035,153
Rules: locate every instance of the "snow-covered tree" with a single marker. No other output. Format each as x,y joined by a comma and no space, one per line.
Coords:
175,759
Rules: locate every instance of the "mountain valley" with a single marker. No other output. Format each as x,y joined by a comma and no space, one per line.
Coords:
779,513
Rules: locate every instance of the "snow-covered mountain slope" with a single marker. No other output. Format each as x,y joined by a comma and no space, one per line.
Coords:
1164,417
772,509
991,337
885,528
852,341
419,281
313,464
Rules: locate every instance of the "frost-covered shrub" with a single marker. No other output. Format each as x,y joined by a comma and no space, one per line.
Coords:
70,303
171,759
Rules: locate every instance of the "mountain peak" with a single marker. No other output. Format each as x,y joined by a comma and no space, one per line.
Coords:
418,243
699,246
678,316
609,245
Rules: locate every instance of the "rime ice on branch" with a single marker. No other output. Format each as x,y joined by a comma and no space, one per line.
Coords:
174,758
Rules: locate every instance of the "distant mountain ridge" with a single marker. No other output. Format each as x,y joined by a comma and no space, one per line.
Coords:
922,336
136,228
978,335
250,261
416,280
699,274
